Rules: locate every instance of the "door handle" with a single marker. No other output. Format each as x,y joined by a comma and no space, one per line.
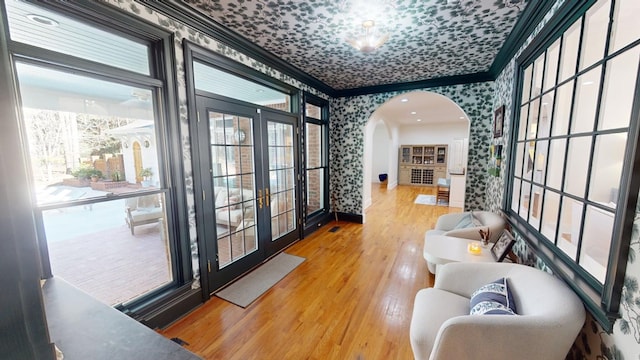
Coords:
267,196
260,199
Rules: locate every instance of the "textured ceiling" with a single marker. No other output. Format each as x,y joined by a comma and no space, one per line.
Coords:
428,39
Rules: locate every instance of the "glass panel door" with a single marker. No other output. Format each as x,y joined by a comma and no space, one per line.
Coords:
233,171
282,191
246,161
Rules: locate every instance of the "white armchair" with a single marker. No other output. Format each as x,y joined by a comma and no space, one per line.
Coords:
550,316
446,225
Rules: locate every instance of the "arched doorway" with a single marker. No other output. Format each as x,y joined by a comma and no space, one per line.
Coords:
418,117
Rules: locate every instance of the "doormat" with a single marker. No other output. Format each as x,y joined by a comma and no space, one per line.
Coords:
425,200
429,200
251,286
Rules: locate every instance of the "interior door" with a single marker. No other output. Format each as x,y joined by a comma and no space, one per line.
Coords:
247,165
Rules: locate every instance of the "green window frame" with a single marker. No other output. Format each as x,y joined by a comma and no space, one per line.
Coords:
568,147
316,161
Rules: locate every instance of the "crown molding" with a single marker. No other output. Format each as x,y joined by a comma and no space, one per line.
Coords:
415,85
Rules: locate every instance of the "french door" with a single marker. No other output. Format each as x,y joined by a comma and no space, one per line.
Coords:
247,206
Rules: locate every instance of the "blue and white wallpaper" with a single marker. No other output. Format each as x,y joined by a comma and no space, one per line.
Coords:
349,116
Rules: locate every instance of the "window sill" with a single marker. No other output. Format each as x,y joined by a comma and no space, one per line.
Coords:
84,328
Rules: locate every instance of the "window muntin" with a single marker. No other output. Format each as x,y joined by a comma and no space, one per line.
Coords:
568,163
36,26
216,81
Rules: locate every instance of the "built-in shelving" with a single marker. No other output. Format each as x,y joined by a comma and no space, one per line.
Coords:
422,164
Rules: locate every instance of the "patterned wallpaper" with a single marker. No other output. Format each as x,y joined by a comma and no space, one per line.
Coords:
428,38
593,342
350,115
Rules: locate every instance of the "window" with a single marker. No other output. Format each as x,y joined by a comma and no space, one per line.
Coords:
571,173
95,134
316,154
217,81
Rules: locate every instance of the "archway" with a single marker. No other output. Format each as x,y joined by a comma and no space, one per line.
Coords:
419,117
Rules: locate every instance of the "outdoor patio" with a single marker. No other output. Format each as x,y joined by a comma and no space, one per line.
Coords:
93,249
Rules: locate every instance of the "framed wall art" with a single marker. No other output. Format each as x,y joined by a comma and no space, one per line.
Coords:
498,122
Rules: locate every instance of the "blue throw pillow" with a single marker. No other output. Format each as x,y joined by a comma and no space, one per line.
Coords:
465,222
493,299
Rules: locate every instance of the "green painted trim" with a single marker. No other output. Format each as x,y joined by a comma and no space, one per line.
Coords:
422,84
187,15
529,19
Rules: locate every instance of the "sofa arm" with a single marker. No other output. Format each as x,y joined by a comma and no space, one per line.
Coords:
447,222
465,278
512,337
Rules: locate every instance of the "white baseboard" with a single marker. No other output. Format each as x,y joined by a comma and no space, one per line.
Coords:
366,203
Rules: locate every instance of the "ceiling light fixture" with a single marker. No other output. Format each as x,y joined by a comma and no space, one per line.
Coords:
369,39
419,120
404,100
413,113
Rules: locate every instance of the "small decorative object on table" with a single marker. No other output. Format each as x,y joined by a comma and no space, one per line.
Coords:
474,248
485,236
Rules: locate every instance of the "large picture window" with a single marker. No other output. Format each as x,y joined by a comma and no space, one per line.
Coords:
95,131
574,143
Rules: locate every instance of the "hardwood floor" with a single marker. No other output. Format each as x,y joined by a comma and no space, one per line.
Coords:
351,299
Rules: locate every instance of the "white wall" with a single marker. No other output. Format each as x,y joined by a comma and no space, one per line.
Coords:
381,145
394,145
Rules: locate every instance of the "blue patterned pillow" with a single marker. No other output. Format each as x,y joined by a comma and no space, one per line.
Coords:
493,299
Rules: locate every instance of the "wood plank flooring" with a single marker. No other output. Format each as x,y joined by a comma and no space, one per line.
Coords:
351,299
